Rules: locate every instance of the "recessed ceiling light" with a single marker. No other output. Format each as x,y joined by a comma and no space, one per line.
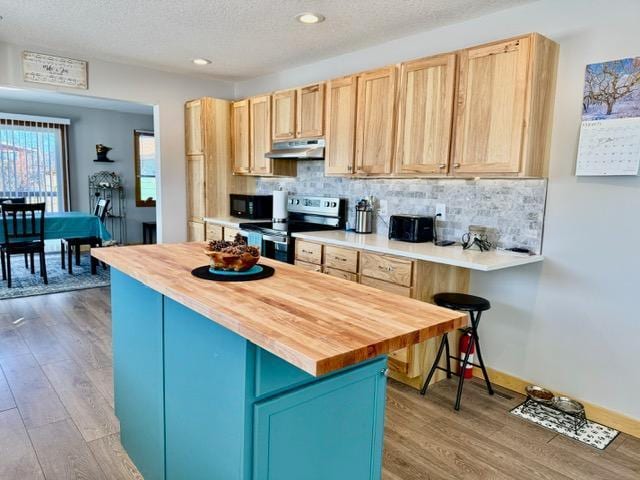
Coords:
310,18
201,61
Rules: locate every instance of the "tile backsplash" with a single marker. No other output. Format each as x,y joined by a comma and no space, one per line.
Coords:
512,208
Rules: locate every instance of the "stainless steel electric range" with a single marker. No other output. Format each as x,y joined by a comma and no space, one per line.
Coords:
306,214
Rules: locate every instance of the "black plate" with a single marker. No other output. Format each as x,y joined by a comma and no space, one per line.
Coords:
206,274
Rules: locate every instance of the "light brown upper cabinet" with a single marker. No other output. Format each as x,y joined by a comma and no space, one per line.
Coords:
260,128
340,126
375,121
193,127
310,111
425,115
260,134
240,136
485,111
284,115
504,108
298,113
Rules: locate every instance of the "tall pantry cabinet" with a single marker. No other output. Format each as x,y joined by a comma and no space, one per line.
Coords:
209,163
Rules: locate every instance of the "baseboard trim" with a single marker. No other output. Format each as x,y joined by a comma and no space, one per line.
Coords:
596,413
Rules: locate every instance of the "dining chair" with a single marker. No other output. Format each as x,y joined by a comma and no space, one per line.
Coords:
13,200
23,234
74,244
17,200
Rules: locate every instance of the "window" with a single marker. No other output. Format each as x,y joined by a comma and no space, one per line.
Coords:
145,160
33,160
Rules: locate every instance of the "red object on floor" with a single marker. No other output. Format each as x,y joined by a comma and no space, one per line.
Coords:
464,344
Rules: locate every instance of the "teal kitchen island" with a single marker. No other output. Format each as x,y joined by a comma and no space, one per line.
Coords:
281,378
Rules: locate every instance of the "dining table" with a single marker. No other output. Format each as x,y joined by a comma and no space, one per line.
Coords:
69,225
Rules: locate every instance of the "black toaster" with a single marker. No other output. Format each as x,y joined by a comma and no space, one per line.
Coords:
411,228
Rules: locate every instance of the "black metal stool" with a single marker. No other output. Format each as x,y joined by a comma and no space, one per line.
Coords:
475,306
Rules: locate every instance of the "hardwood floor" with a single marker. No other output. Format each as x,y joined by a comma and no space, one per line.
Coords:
57,419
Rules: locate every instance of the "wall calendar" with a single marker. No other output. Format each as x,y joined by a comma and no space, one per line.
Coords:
610,130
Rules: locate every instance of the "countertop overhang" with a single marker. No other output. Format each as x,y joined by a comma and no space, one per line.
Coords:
317,323
453,255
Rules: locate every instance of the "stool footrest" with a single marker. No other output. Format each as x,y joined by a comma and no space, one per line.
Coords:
462,359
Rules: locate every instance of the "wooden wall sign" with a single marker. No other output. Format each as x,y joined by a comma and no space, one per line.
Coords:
53,70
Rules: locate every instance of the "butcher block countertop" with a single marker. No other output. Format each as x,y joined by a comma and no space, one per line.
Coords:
452,255
317,323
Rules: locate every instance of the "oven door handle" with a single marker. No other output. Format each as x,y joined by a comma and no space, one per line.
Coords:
275,239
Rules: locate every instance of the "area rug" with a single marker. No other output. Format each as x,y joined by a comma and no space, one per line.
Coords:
592,434
24,284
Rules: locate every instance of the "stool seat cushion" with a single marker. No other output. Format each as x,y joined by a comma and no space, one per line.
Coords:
461,301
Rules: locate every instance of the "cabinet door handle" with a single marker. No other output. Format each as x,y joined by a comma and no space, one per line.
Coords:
442,165
306,251
349,168
388,269
456,165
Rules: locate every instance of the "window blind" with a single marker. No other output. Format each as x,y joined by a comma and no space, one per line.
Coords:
34,160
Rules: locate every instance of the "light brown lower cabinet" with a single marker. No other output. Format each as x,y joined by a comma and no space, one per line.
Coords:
214,232
399,276
334,272
195,231
308,252
308,266
230,234
386,286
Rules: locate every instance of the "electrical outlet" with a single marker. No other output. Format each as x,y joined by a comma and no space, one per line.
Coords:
382,208
441,210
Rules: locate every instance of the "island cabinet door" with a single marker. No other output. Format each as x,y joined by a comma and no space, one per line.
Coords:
330,429
138,372
207,398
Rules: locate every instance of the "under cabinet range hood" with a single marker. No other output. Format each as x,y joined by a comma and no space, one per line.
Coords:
310,149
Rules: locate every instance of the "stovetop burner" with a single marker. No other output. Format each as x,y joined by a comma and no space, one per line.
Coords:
286,228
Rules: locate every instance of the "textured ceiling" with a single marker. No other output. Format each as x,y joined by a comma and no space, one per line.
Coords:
243,38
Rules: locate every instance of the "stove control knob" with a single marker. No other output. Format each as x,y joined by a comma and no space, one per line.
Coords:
334,204
297,202
327,204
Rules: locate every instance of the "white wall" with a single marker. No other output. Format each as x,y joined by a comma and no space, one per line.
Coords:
570,323
167,92
90,126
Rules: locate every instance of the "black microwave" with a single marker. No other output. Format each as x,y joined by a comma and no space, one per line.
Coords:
411,228
256,207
